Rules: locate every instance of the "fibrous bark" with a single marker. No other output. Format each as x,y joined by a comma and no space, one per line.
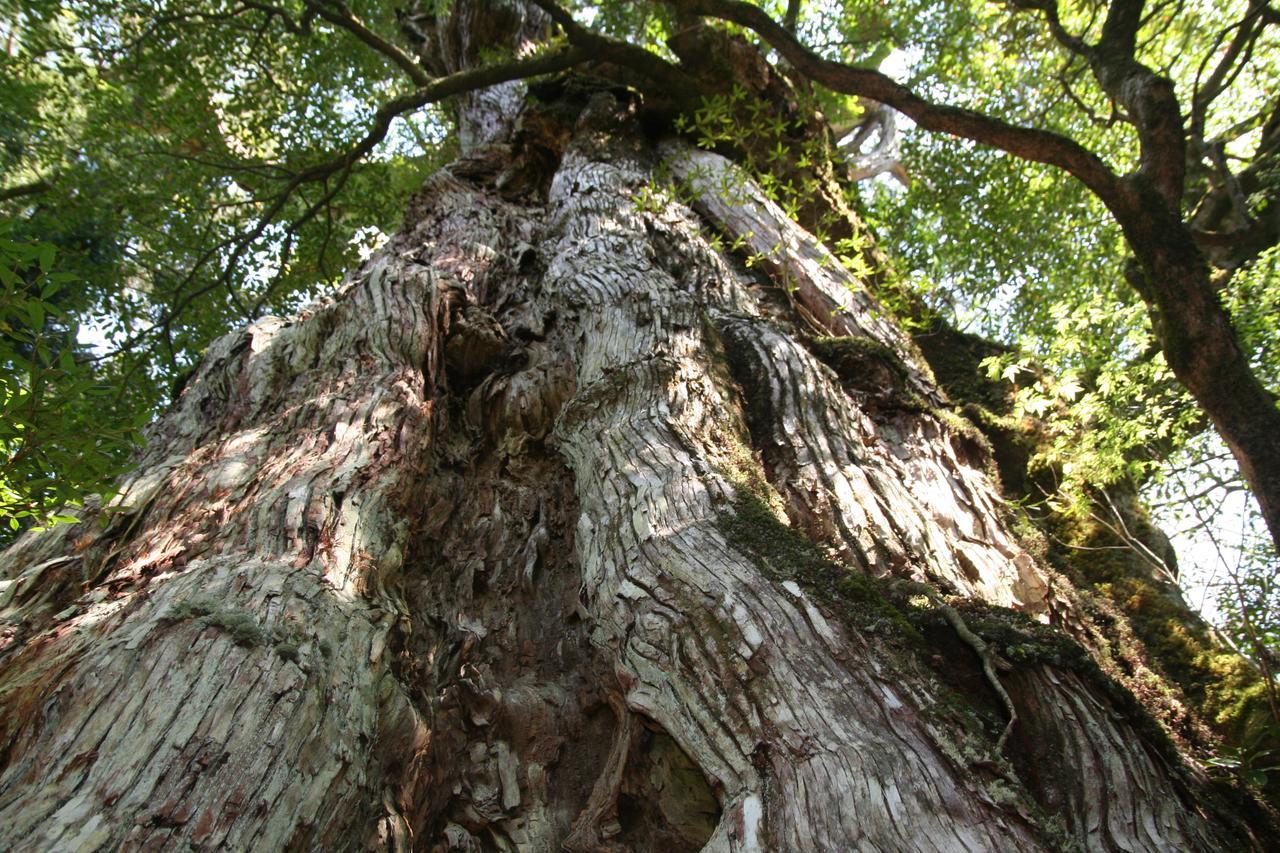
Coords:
551,531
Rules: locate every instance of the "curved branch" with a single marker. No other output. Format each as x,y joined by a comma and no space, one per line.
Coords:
339,15
1073,43
987,656
670,77
1041,146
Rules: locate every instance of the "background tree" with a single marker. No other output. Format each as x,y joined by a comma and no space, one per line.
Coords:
601,448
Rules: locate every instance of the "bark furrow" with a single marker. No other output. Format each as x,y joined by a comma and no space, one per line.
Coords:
535,537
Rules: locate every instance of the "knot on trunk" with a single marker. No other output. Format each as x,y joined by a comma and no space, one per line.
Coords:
476,343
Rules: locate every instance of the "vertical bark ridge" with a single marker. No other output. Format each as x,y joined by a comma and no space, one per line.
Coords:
225,680
428,566
893,495
802,732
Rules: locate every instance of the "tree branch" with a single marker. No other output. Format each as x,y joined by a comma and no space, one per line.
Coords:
1075,44
1247,31
1120,30
342,164
986,654
1041,146
676,83
339,15
22,190
792,16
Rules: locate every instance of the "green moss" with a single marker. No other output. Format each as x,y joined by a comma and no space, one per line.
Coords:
835,350
1228,691
239,624
191,608
868,365
783,554
955,358
287,651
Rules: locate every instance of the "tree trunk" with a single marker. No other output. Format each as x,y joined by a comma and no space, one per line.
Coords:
551,530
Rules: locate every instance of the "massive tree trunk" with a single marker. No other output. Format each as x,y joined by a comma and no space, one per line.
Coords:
553,530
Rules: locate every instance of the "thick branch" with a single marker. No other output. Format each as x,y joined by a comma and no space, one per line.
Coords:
1040,146
1147,97
605,49
1120,30
792,16
24,190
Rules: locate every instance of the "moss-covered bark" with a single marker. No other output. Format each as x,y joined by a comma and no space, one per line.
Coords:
549,531
1147,620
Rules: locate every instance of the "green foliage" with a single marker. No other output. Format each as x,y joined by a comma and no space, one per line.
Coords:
1249,766
1111,406
790,159
64,430
150,154
776,152
154,145
1253,298
168,132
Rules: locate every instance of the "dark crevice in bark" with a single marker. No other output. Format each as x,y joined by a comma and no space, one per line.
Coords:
490,561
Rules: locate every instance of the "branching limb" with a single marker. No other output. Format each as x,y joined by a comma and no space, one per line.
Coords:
339,15
605,49
1144,95
1228,67
1040,146
1120,29
342,164
990,660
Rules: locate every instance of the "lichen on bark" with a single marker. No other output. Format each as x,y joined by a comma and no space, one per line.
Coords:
550,529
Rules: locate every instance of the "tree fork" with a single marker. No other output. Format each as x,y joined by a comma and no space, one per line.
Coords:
378,590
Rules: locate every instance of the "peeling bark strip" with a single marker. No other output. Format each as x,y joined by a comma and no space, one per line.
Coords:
1170,272
223,678
548,531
